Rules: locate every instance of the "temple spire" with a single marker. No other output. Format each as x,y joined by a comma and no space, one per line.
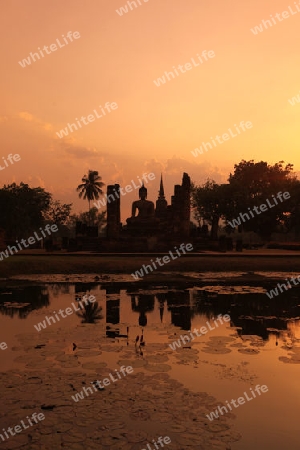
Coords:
161,189
161,202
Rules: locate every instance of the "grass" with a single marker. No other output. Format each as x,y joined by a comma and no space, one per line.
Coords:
79,264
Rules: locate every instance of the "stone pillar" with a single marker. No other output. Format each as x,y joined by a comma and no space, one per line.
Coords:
181,208
113,211
186,205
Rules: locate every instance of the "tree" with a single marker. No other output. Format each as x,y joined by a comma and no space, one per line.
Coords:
91,187
93,217
252,184
22,209
212,202
292,219
58,212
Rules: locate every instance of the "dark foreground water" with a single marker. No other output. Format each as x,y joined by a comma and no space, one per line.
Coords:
259,346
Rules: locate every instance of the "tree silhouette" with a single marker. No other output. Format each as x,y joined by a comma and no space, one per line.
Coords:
254,182
212,202
90,313
58,212
251,184
22,209
90,188
94,217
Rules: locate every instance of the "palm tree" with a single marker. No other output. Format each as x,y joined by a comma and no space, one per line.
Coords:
90,188
90,313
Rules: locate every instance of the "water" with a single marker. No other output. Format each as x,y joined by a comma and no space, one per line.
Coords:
259,346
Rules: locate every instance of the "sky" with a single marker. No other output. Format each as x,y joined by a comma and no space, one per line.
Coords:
116,58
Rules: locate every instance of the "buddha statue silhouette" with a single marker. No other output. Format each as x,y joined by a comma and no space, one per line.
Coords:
145,209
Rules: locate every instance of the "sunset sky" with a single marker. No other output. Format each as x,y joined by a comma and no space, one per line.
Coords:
154,129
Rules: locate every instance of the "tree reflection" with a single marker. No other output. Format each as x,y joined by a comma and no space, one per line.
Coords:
21,301
90,313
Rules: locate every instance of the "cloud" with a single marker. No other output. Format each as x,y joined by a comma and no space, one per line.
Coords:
174,167
157,167
114,173
72,147
35,181
82,152
28,117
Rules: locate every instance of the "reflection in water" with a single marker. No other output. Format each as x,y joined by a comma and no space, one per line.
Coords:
161,307
57,289
252,313
21,301
82,288
90,312
142,304
180,308
112,311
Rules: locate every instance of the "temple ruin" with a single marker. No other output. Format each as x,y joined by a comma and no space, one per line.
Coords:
150,226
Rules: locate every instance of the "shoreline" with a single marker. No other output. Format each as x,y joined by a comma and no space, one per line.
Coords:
190,269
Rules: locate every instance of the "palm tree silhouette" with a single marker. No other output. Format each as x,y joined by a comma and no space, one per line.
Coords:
90,313
90,188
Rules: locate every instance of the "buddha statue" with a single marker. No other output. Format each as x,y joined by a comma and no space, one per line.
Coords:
145,209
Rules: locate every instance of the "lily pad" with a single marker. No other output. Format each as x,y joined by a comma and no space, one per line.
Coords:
94,365
135,363
248,351
216,350
158,367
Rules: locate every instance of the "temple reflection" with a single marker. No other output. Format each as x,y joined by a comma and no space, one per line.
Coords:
250,313
161,298
112,311
142,304
181,312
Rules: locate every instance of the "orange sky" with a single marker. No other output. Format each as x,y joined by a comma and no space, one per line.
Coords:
154,128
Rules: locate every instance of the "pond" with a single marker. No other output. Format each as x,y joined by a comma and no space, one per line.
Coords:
173,388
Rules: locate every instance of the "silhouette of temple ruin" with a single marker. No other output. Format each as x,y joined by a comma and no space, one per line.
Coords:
153,226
